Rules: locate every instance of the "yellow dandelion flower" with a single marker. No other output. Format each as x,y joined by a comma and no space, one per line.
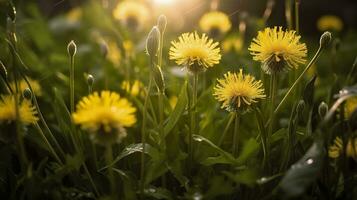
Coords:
128,47
232,43
278,50
350,106
133,14
238,91
329,22
74,15
336,149
35,85
215,23
173,101
105,116
351,148
27,112
113,55
195,52
132,89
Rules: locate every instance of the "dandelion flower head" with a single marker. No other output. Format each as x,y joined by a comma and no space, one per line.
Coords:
195,52
105,115
278,50
27,112
238,91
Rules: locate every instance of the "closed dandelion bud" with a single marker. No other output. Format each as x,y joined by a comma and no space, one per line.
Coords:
72,48
300,107
90,80
161,23
152,42
11,12
3,71
323,109
27,94
159,78
325,39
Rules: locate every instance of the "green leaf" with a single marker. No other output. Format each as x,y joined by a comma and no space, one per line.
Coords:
301,174
128,184
134,148
224,157
249,149
309,91
178,110
158,193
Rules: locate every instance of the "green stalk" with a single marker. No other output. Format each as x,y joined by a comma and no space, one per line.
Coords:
226,129
236,135
48,143
317,54
297,23
42,119
288,14
273,88
263,136
193,117
109,160
71,83
143,139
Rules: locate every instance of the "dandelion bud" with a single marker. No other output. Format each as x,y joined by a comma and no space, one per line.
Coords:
300,107
152,42
161,23
11,12
3,71
27,94
71,48
325,39
323,109
90,80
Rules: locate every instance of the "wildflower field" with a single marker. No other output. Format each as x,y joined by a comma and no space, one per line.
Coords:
178,99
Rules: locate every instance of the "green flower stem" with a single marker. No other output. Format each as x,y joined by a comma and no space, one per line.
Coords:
109,160
48,143
193,118
18,124
231,118
161,116
313,60
288,14
143,138
273,88
263,136
42,119
297,23
236,135
91,179
71,83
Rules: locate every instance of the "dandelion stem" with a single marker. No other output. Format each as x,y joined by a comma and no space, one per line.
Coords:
48,143
288,14
318,52
193,117
263,136
297,23
236,134
143,138
109,160
273,88
71,82
231,118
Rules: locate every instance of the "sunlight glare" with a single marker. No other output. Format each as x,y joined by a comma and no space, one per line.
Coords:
165,2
